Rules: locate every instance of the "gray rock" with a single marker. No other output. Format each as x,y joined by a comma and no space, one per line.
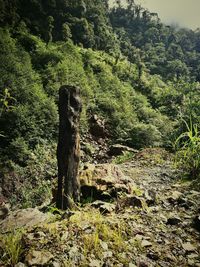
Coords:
104,207
188,247
134,201
23,218
20,264
146,243
139,237
150,197
104,245
175,196
94,263
107,254
55,264
103,180
117,149
191,262
39,258
73,253
97,127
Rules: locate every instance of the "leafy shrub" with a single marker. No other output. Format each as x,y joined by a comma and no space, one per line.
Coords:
28,41
188,151
144,135
30,185
32,196
19,151
34,115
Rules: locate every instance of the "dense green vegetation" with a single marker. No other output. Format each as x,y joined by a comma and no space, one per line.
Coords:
188,150
138,74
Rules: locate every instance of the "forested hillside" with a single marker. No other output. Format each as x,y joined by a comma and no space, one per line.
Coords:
139,76
134,71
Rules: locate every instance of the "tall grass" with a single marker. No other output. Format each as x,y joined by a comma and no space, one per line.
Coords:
11,245
187,148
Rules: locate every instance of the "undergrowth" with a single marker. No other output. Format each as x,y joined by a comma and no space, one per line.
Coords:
126,156
11,248
187,148
101,233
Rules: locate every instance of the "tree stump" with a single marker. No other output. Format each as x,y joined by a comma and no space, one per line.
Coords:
68,149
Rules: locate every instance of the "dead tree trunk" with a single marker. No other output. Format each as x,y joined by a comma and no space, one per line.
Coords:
68,150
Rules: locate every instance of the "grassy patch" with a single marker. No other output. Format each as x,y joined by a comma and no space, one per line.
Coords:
101,229
188,151
126,156
11,247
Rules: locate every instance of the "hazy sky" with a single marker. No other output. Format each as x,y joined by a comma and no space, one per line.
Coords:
186,13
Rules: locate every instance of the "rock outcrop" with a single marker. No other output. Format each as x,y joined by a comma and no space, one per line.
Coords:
117,149
103,181
23,218
97,127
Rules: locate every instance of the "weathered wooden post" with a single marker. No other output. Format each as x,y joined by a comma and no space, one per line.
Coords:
68,150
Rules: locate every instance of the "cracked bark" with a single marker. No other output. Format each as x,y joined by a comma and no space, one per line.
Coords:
68,149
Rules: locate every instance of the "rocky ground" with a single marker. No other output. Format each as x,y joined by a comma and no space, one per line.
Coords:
137,213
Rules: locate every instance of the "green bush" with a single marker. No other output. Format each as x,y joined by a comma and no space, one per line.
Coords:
187,148
33,115
144,135
30,185
19,151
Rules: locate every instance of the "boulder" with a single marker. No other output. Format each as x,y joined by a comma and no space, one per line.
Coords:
97,127
56,264
103,207
131,201
20,264
38,258
134,201
95,263
103,181
23,218
188,247
150,197
174,197
117,149
146,243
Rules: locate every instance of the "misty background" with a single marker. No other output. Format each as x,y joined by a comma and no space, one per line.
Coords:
184,13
